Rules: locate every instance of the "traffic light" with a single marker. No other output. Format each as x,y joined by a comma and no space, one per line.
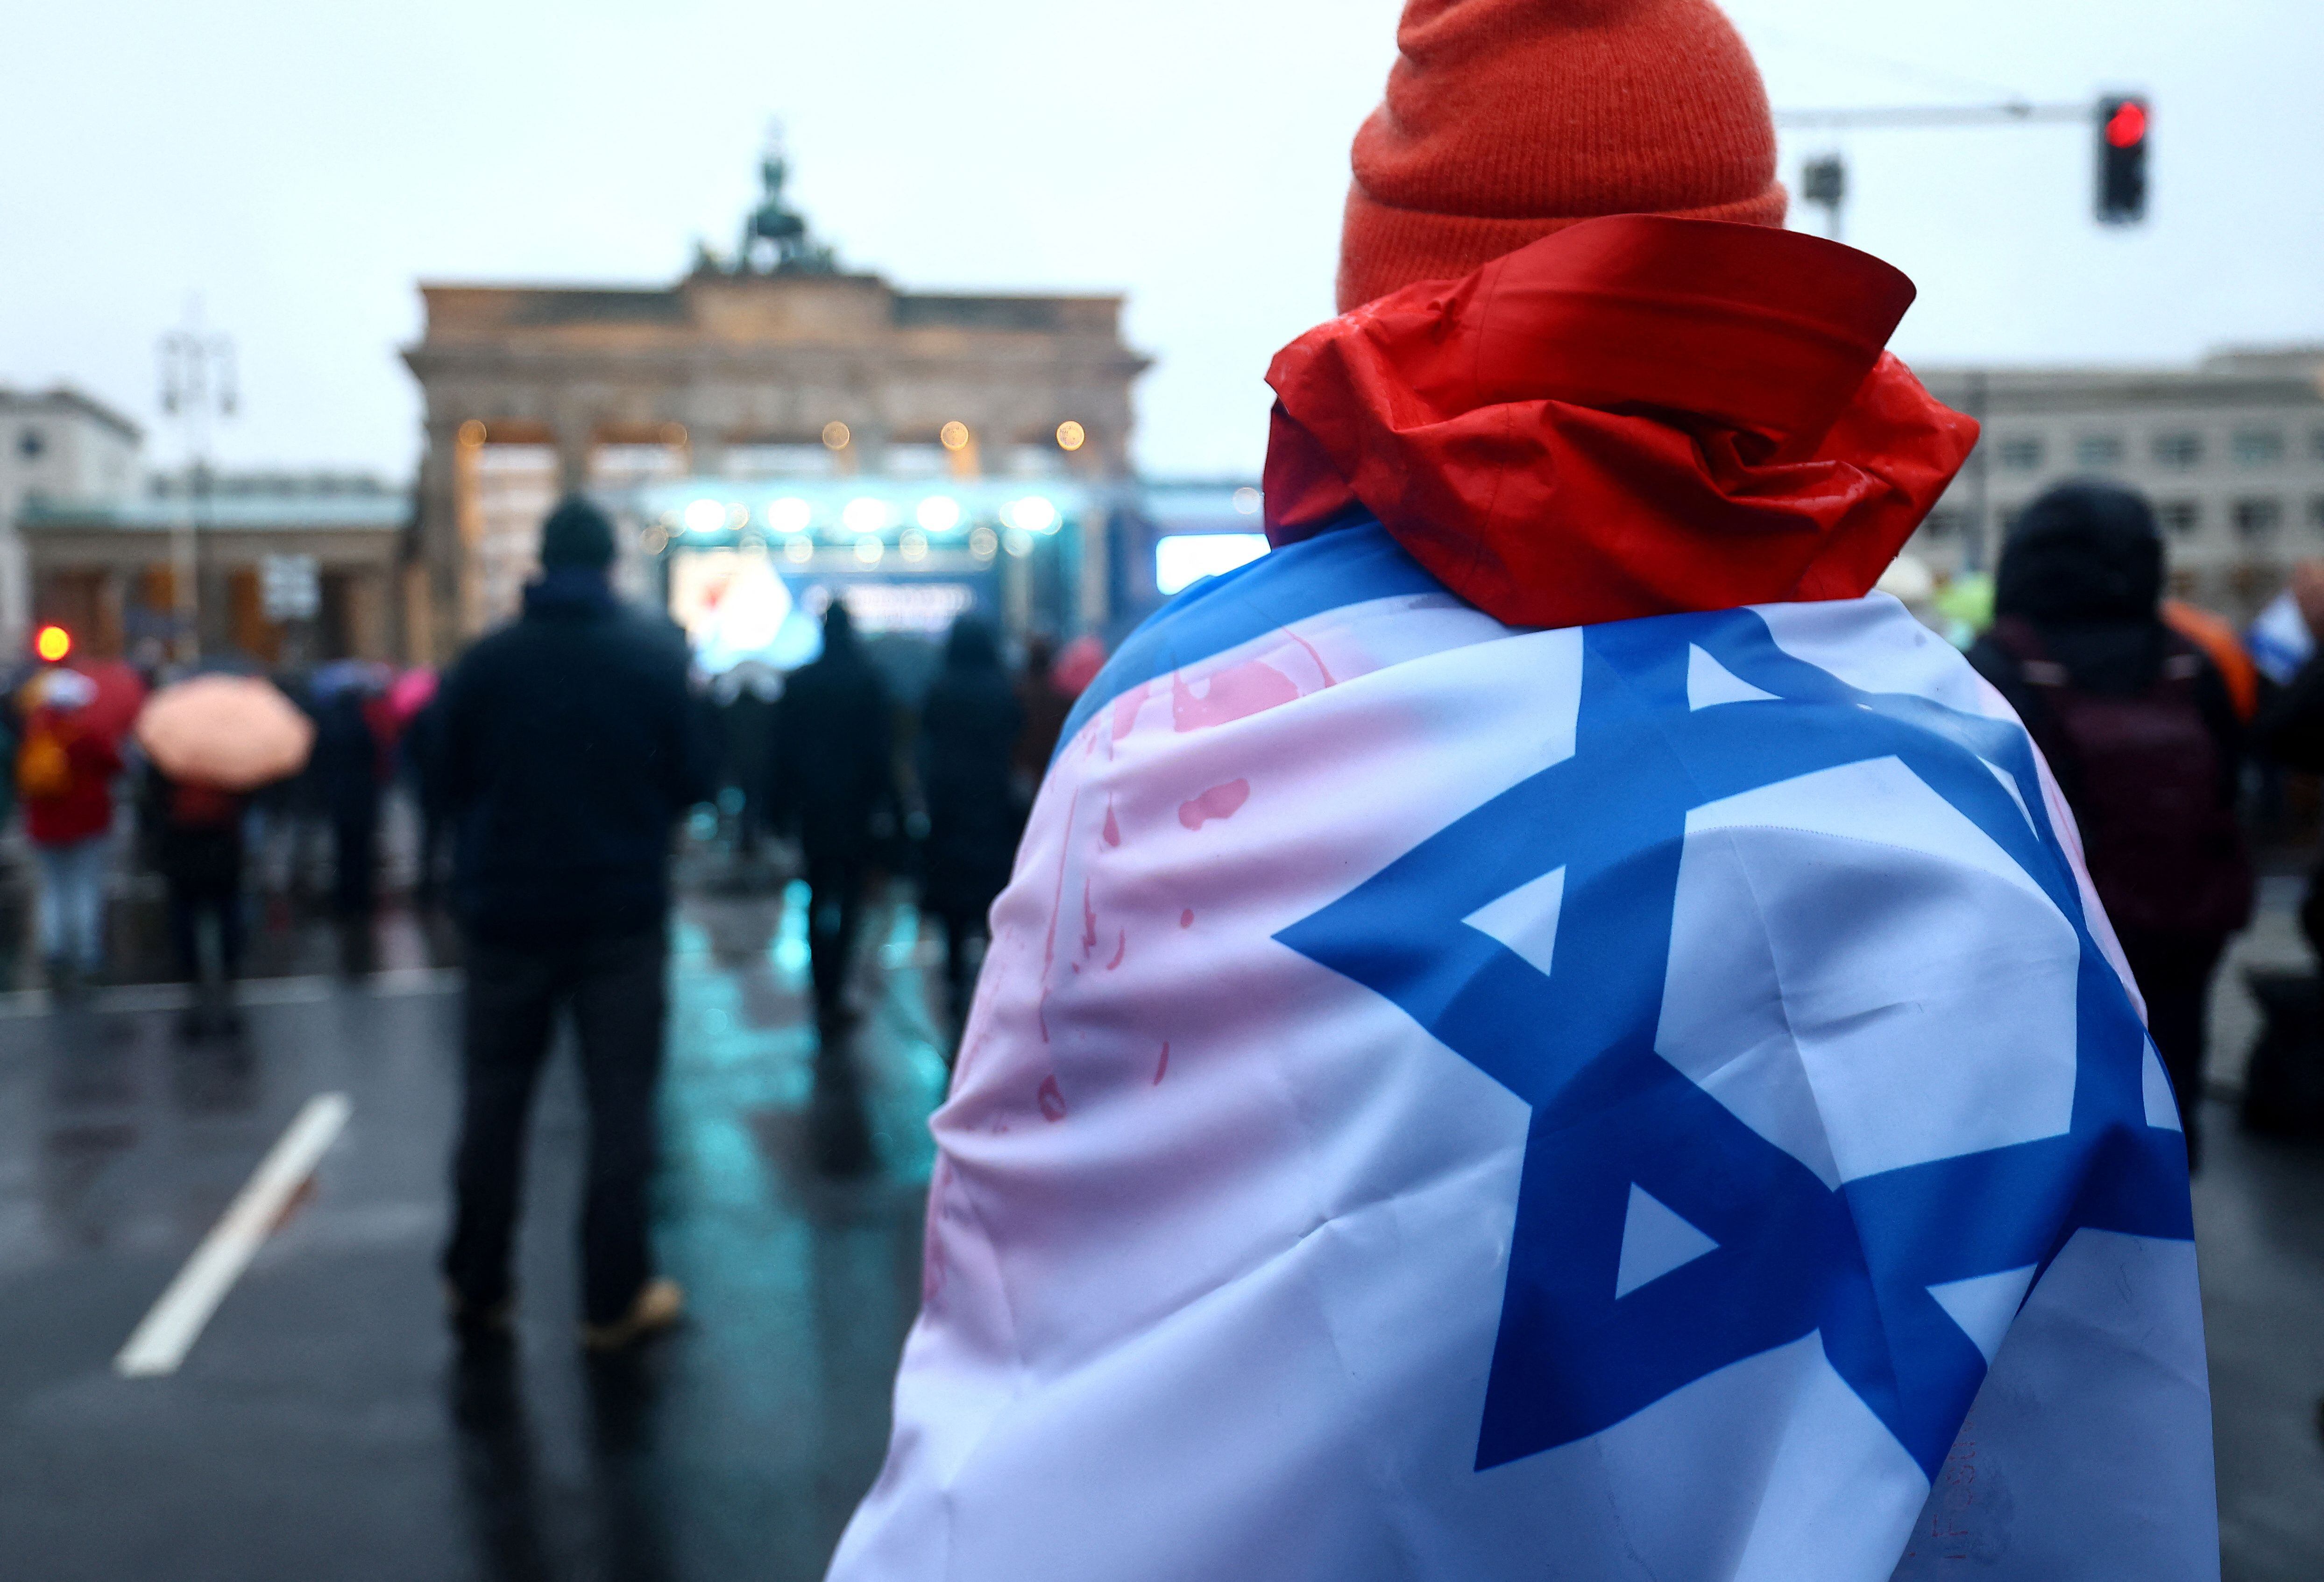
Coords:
2123,127
52,644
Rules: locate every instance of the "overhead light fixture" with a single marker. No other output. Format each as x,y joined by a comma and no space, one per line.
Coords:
864,514
938,513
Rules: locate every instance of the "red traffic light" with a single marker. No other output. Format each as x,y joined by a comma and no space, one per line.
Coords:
52,644
2126,127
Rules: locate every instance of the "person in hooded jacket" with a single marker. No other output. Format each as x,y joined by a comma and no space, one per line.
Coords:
566,756
969,727
831,779
2138,725
1541,1027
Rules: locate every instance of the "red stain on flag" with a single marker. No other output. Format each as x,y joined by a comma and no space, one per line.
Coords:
1237,692
1221,801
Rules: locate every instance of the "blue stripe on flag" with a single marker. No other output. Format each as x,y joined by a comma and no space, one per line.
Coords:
1345,566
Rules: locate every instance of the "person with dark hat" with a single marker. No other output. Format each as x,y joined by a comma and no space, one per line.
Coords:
2138,726
564,756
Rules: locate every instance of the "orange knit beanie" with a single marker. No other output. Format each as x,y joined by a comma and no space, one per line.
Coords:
1506,120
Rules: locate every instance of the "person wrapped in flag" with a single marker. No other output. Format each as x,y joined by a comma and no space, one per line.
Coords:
1542,1029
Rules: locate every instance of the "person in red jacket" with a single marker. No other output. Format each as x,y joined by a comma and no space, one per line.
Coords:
64,774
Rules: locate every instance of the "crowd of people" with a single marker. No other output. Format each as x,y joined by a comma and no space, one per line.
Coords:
554,766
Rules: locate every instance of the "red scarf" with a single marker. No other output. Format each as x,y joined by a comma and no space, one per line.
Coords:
1635,416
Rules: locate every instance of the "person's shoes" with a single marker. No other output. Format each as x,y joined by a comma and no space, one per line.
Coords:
658,1303
478,1326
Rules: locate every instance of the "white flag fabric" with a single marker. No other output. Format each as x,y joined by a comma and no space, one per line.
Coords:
1656,1100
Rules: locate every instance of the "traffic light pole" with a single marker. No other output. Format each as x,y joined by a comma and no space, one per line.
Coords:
2014,114
2121,122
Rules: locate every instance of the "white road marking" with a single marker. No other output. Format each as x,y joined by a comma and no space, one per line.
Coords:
169,1330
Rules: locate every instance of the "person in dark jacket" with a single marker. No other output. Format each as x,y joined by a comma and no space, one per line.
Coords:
969,728
346,769
566,757
832,778
1044,708
2139,728
198,848
422,752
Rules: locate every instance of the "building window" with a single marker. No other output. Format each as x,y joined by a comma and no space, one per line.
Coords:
2259,447
2098,450
2258,519
2179,518
30,443
2022,453
2179,451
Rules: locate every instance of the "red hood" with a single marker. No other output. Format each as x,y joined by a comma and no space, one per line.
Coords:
1635,416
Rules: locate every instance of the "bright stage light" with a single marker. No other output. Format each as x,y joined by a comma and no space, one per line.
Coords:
705,516
789,514
938,513
1183,559
1033,513
864,514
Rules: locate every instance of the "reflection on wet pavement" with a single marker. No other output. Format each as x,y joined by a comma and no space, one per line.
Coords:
324,1424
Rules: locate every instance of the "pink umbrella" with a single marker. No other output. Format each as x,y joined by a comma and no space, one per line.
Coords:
412,691
232,733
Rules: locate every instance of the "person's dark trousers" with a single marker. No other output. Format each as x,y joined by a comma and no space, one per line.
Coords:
435,829
356,862
960,928
2175,973
834,909
190,900
614,989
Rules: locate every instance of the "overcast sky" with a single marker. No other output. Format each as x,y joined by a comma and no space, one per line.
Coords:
300,167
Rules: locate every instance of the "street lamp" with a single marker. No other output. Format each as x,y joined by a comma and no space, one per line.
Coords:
198,387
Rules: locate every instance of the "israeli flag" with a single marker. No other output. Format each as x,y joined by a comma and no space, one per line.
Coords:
1657,1101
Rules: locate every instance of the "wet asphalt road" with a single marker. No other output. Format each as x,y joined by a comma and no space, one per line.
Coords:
323,1426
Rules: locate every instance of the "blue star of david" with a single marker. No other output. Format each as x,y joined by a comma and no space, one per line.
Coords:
1794,1257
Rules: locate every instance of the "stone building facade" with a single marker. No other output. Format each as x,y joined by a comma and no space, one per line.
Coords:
55,444
736,374
108,568
2231,452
